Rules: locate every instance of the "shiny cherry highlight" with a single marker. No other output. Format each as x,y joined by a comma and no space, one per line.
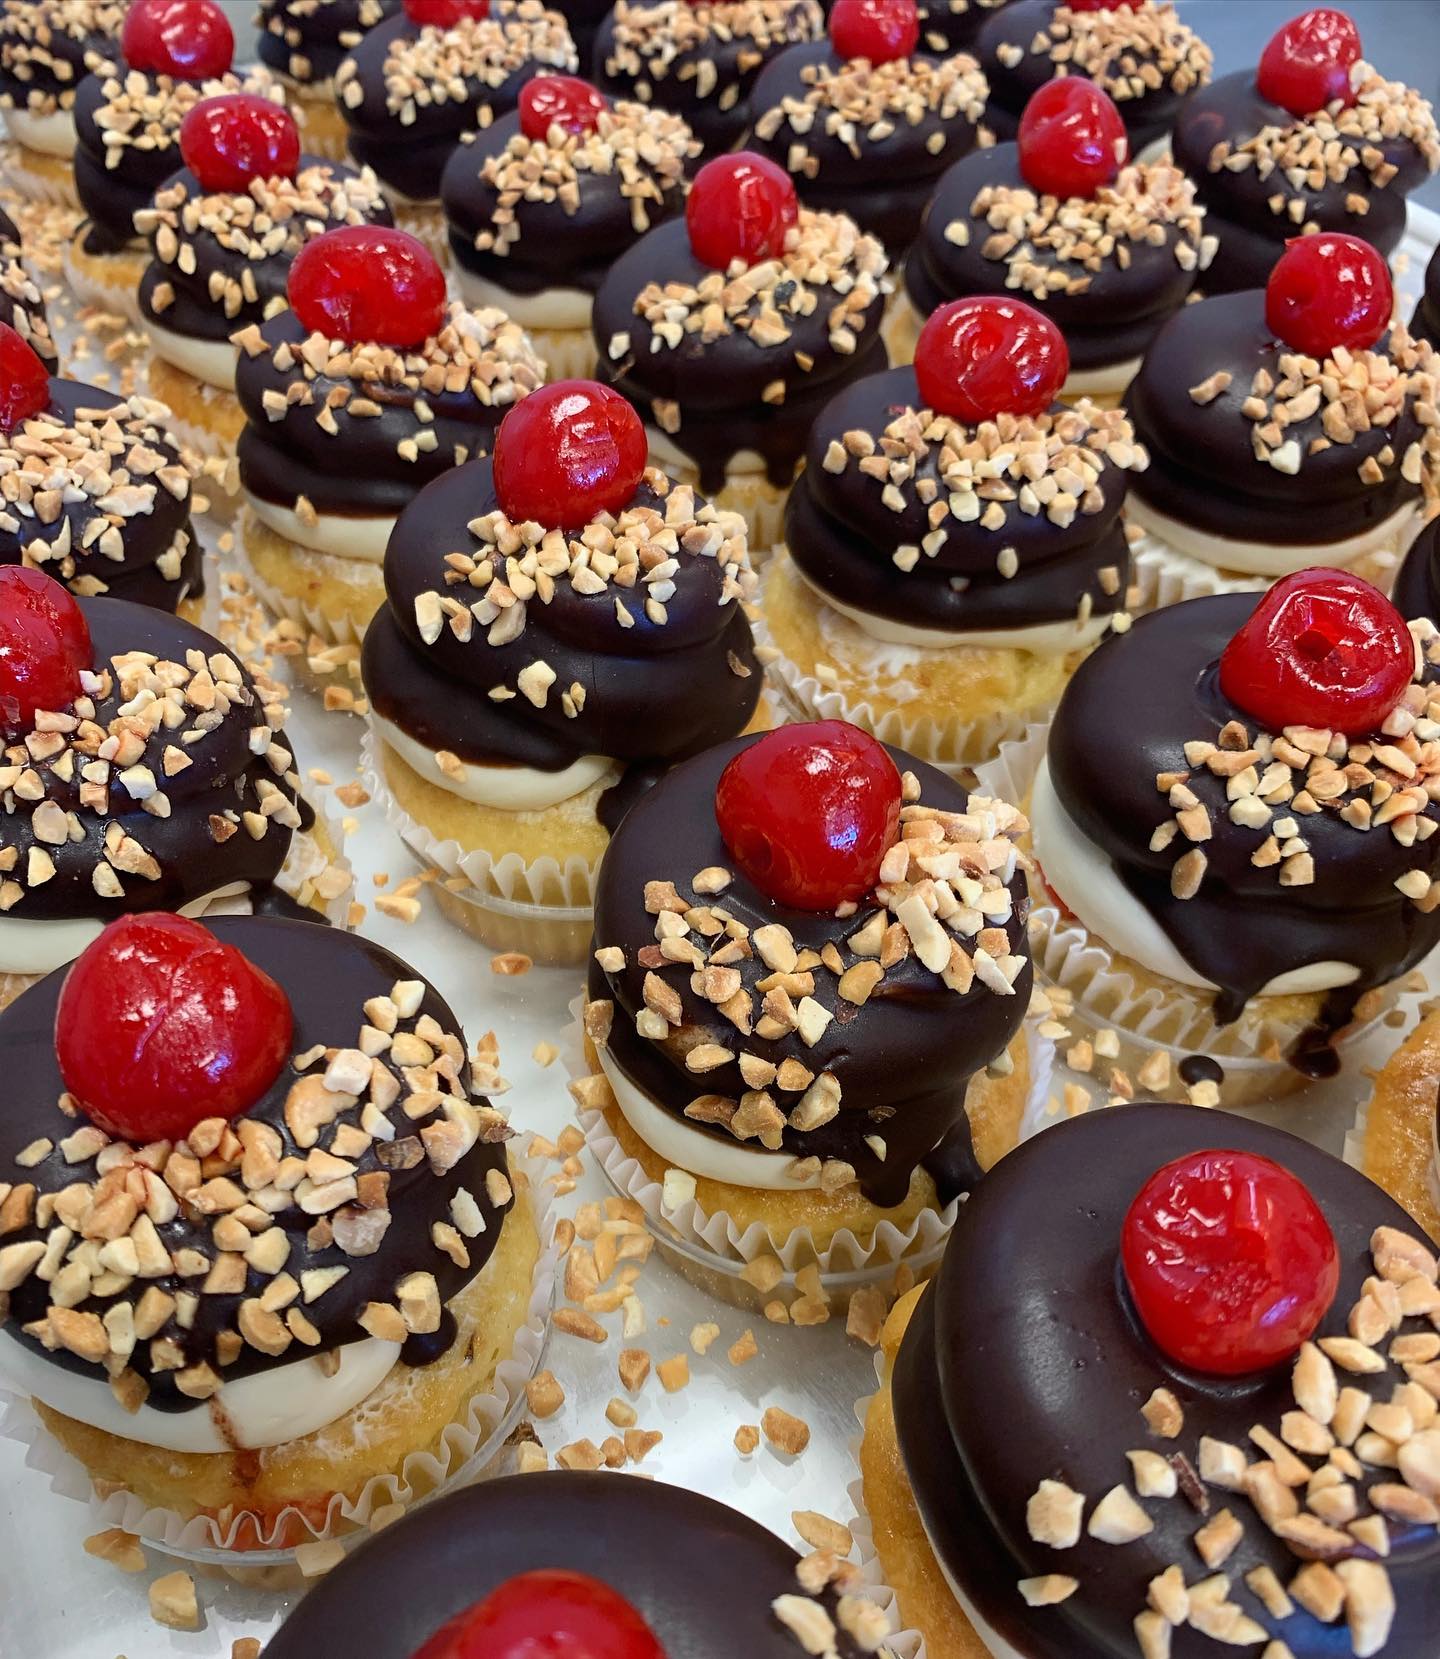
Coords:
566,453
444,14
549,1614
1072,140
979,358
880,30
44,647
1329,290
226,142
1307,64
24,380
563,101
369,283
740,207
189,40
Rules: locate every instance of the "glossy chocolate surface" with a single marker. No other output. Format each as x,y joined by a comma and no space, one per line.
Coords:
1425,324
1417,587
308,40
955,25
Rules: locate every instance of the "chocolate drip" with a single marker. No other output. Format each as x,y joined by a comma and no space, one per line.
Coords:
1425,324
424,1348
308,40
636,780
1200,1068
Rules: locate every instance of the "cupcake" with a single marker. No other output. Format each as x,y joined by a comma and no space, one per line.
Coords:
1425,324
223,234
1287,426
954,544
606,640
793,1005
863,122
1109,248
1396,1139
1314,139
699,60
1417,587
1139,51
128,116
255,1271
948,26
1220,1414
442,68
304,42
369,387
526,1566
1234,812
731,330
20,295
540,204
47,47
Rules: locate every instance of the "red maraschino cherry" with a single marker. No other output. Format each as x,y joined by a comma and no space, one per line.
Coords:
1329,290
1230,1262
190,40
1323,648
444,14
740,207
563,101
368,283
24,380
44,646
979,358
809,811
550,1614
160,1025
226,142
880,30
567,452
1307,64
1072,140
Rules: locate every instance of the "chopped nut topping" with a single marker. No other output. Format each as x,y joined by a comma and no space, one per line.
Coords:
660,39
1129,53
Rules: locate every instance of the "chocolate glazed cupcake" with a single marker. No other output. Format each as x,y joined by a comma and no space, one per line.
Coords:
47,47
954,25
305,42
20,295
1149,1341
1425,324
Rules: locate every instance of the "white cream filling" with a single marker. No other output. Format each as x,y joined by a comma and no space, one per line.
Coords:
213,361
345,538
1109,380
1084,878
555,308
663,450
52,134
40,946
1267,559
511,788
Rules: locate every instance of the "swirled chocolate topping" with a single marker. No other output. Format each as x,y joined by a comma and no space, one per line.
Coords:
359,430
1110,269
699,61
221,261
1256,852
308,40
1313,1545
1266,175
127,126
1417,587
921,519
1252,441
722,364
167,781
94,493
47,47
867,140
22,304
848,1041
953,25
408,93
710,1582
308,1222
505,644
533,215
1425,324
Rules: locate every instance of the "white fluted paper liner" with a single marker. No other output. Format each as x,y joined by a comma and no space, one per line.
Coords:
28,181
466,1446
334,630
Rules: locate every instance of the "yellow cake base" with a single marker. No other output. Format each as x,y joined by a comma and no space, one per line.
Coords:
110,281
40,177
208,417
1397,1145
322,127
334,595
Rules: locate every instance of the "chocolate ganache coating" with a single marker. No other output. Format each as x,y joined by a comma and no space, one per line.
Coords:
328,976
867,140
1029,1315
844,533
1349,171
308,40
531,216
899,1064
22,304
243,244
1129,255
699,60
1425,324
702,1575
47,47
628,680
954,25
755,358
1339,470
1145,58
1126,718
1417,587
408,93
364,428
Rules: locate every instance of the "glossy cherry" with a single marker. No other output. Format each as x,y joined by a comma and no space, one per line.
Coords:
979,358
226,142
190,40
880,30
740,207
24,380
444,14
369,283
44,645
809,811
159,1025
1329,290
567,452
1072,139
550,1614
563,101
1307,64
1322,648
1230,1262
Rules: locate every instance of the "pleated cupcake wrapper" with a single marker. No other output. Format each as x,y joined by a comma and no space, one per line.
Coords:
568,353
467,1445
114,300
33,185
721,1236
334,630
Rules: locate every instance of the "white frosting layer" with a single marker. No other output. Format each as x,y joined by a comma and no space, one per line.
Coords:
512,788
1109,380
52,135
212,361
39,947
1085,879
346,538
663,450
1265,559
555,308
